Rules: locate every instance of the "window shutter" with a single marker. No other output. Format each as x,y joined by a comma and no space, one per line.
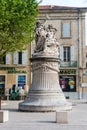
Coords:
72,52
15,57
8,58
61,53
66,30
24,57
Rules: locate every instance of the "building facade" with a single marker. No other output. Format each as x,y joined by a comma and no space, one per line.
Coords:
70,25
14,71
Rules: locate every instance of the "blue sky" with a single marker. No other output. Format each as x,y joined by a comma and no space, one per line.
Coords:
73,3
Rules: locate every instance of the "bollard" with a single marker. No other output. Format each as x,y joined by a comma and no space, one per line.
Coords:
61,117
4,116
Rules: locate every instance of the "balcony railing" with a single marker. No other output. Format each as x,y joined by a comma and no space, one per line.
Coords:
64,64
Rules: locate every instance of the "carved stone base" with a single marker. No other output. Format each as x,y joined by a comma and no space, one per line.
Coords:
27,108
45,93
44,102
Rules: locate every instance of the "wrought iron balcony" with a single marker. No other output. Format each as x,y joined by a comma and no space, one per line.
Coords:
64,64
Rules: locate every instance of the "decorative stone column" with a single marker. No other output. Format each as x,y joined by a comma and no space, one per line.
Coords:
45,93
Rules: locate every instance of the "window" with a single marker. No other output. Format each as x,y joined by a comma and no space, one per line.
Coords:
68,83
2,84
86,55
20,57
66,53
3,60
66,30
86,60
86,64
21,81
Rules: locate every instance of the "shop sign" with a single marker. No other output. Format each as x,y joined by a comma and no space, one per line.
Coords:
7,68
12,70
16,71
67,71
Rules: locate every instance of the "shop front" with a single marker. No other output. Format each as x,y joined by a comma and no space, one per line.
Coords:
68,83
10,77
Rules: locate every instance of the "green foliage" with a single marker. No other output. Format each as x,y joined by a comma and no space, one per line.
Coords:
17,24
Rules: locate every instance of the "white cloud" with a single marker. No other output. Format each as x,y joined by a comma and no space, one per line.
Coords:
75,3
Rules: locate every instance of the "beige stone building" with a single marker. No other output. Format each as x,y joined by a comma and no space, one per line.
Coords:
14,70
70,25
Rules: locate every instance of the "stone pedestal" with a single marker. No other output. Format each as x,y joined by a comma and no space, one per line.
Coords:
45,93
61,117
4,116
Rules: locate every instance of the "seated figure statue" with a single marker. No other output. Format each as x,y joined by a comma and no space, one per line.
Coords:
46,42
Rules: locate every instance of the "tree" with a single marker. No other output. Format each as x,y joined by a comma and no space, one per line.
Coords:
17,24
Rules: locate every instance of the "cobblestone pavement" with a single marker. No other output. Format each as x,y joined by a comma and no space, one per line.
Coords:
77,118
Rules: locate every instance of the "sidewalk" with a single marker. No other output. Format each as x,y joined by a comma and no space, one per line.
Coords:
77,118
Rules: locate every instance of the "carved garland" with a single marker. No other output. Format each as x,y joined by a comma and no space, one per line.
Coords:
45,67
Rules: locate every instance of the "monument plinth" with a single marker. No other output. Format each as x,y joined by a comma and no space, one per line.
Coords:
45,93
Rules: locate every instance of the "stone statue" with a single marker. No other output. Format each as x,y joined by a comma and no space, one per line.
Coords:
50,37
40,37
46,42
45,93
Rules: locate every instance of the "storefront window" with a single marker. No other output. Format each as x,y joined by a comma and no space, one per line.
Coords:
21,81
68,83
2,84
